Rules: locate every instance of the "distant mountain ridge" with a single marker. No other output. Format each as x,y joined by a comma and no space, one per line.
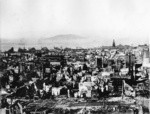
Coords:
62,40
69,40
65,37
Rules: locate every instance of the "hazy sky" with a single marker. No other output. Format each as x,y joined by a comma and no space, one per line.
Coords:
127,21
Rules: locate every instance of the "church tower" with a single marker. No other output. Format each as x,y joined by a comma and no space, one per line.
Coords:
113,45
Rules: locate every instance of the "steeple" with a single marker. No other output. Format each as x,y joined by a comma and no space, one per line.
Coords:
113,45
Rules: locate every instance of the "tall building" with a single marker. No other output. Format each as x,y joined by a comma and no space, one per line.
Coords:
0,48
0,44
146,58
113,45
99,62
149,50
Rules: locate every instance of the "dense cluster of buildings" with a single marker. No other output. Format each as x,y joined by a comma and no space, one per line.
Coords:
106,79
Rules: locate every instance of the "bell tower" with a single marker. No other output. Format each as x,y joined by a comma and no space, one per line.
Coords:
113,44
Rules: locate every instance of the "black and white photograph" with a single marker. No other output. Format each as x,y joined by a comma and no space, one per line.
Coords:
74,56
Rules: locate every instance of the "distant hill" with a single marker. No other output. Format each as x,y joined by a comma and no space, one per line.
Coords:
65,40
65,37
